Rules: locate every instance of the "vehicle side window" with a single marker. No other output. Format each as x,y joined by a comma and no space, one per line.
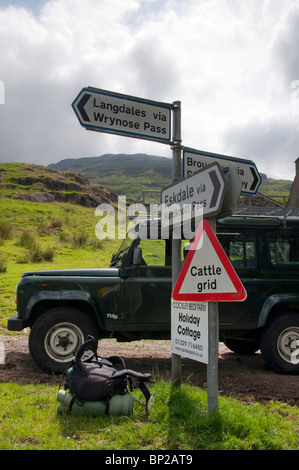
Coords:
284,248
153,252
239,248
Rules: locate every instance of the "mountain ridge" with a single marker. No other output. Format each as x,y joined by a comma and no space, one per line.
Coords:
130,174
127,174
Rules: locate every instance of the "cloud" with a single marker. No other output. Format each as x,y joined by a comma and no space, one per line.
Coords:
45,61
270,144
269,133
230,63
286,46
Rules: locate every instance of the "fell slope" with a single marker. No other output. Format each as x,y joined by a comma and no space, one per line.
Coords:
132,174
128,175
37,183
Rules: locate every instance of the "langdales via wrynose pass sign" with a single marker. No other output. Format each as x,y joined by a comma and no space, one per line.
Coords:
115,113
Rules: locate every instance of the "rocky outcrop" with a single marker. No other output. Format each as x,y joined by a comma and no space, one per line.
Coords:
41,184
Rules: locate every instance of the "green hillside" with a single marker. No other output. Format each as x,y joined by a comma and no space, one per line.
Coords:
37,183
273,187
47,220
126,174
132,174
47,235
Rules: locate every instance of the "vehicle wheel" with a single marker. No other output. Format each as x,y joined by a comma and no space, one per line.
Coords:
280,343
56,335
241,347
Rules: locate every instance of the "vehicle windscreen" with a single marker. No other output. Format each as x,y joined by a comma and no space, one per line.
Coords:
120,255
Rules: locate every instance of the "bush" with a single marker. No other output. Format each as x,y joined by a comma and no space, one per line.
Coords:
48,253
64,237
39,254
56,223
42,228
81,239
27,239
36,254
23,258
6,229
3,265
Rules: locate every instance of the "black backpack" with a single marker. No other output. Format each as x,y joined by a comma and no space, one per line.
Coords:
95,379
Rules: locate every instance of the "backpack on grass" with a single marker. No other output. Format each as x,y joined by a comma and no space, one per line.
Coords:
93,379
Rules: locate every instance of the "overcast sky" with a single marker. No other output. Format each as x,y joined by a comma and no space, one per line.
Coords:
233,64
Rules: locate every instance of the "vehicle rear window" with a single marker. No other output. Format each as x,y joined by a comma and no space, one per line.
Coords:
239,248
284,248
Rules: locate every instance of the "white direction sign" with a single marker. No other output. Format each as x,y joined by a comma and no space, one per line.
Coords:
189,330
201,195
194,160
115,113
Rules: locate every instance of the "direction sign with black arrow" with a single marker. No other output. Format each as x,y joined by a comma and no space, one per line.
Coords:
81,107
115,113
194,160
201,195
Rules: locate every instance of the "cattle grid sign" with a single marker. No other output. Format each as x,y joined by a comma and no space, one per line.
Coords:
115,113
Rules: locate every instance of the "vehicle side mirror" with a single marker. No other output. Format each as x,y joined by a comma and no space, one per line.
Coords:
137,256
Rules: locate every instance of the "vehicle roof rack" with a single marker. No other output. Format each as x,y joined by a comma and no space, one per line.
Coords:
147,206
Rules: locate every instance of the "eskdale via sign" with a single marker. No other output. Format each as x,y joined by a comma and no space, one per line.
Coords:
115,113
197,196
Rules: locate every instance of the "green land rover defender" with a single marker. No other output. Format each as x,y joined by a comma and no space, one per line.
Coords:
131,299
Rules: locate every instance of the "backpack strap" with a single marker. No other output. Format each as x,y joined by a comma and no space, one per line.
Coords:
89,345
141,379
145,392
116,360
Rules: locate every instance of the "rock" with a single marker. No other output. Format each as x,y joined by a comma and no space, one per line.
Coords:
42,184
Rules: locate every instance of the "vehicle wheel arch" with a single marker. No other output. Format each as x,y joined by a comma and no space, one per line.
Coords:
277,305
45,305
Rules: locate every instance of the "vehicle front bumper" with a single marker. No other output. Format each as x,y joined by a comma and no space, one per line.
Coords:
14,323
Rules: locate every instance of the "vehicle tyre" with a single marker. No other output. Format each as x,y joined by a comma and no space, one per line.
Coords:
56,335
280,343
241,347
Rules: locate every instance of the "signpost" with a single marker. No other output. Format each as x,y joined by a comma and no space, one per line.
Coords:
176,241
194,160
202,193
115,113
207,275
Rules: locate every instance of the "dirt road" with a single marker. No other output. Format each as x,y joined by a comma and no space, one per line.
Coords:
245,377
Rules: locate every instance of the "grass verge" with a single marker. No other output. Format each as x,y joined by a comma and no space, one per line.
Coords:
177,420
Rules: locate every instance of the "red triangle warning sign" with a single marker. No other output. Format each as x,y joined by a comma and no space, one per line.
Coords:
207,273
